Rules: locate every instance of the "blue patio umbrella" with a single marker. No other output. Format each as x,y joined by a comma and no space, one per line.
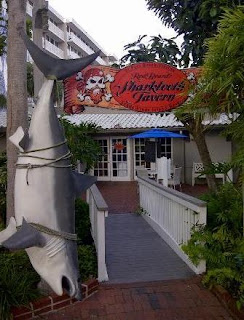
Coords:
157,133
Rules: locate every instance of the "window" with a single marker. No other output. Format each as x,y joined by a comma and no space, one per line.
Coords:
139,152
165,147
101,168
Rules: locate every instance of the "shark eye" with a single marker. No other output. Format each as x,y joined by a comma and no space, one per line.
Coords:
92,81
101,80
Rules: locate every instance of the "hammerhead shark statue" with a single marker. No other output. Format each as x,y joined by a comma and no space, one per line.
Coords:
45,186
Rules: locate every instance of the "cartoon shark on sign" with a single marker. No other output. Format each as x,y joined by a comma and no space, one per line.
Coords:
45,186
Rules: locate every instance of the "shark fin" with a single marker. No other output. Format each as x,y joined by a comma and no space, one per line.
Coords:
9,231
25,237
82,182
20,139
54,68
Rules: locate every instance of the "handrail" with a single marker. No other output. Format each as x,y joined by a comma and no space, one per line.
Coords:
192,202
100,202
98,212
172,214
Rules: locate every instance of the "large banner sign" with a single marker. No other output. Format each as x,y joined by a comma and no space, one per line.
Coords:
145,87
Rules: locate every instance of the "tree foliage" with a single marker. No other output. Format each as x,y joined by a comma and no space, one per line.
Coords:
81,143
221,242
3,30
195,20
222,81
156,48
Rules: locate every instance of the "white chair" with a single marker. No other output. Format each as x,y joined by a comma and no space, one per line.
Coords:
176,178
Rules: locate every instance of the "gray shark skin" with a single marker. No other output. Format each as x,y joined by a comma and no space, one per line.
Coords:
45,195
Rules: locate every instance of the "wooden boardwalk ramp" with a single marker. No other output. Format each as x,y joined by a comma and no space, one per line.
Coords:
136,253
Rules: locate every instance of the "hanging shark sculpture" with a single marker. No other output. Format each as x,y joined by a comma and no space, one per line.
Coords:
45,186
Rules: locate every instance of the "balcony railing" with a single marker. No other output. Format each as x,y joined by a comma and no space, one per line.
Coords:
79,43
73,55
56,30
54,50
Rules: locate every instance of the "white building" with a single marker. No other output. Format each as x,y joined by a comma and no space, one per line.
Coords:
66,39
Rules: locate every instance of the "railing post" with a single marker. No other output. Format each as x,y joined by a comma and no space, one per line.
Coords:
98,212
102,270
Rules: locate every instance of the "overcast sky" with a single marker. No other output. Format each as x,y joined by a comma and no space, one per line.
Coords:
113,24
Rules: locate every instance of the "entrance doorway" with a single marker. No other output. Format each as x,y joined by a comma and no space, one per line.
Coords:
113,164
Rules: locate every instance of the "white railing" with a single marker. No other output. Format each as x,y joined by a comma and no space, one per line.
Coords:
56,30
172,215
79,43
73,55
98,212
84,47
53,49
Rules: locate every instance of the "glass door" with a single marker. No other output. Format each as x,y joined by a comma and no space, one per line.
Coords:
102,168
119,155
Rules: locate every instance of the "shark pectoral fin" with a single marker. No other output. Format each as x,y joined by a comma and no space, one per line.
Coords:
20,139
9,231
26,237
82,182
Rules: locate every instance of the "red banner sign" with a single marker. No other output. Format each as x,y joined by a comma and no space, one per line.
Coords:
146,87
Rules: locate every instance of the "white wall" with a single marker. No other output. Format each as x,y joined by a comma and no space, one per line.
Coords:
219,148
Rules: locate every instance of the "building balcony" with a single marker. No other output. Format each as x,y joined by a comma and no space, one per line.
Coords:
73,55
54,50
56,30
80,44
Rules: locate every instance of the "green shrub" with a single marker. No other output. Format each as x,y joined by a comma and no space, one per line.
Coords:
87,261
86,250
18,282
225,208
221,242
82,222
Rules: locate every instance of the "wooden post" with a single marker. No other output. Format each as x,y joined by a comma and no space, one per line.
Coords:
17,90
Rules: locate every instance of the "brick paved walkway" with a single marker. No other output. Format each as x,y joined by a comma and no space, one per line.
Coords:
164,300
121,197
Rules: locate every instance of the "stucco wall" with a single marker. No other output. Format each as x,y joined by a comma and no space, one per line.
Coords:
219,148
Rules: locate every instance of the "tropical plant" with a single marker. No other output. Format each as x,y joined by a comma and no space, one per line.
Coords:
82,146
194,20
82,223
18,282
30,80
3,30
156,49
222,80
221,241
87,261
